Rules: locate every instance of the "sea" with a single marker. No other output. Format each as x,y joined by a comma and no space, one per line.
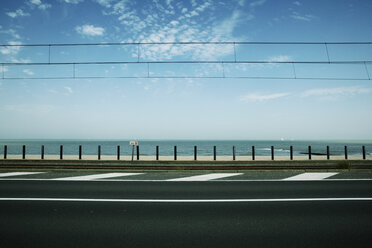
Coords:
186,147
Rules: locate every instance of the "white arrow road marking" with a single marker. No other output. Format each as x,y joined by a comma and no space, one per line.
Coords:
96,176
204,177
310,176
12,174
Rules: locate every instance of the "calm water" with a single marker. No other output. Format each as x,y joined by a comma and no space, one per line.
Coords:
184,147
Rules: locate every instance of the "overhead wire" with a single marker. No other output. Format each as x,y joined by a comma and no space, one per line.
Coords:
220,62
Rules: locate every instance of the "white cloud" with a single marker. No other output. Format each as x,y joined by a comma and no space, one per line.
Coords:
73,1
15,60
297,3
257,97
69,89
295,15
90,30
198,22
11,50
17,13
3,69
257,3
39,4
337,92
169,3
174,23
11,32
280,58
28,72
105,3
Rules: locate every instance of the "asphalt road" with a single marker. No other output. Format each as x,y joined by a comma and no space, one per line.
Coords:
191,214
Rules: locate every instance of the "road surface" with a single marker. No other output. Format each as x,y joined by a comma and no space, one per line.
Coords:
185,214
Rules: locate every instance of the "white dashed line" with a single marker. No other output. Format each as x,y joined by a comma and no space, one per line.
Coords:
96,176
310,176
205,177
12,174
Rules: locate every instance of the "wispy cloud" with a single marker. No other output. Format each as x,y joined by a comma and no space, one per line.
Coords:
336,92
90,30
297,3
297,16
105,3
257,3
68,89
280,58
17,13
3,69
257,97
11,50
73,1
10,32
241,2
39,4
171,21
28,72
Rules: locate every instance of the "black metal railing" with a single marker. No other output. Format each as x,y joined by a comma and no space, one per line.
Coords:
234,156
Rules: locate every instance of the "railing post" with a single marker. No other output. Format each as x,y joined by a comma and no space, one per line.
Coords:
42,152
138,152
233,152
291,152
157,152
214,153
61,152
175,152
309,152
24,152
195,152
364,152
345,152
272,152
328,153
118,153
99,152
80,152
5,151
253,153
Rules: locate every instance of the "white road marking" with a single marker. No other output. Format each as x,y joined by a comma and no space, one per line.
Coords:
311,176
96,176
161,181
205,177
188,200
12,174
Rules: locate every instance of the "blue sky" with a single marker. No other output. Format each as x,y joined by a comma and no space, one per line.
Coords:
188,108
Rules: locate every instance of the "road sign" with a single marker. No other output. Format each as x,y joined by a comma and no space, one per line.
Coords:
133,143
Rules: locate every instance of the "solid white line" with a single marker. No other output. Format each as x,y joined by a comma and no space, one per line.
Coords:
12,174
206,177
152,180
189,200
311,176
96,176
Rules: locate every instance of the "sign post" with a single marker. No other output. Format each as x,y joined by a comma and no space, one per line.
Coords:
133,144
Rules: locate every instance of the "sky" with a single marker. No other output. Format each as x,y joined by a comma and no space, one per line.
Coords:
212,101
